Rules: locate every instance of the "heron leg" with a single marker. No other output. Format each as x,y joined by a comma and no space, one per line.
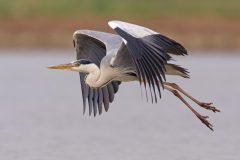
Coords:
201,104
201,117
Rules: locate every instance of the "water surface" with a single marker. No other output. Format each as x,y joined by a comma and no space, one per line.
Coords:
41,113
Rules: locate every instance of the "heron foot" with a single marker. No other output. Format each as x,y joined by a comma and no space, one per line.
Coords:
205,121
209,106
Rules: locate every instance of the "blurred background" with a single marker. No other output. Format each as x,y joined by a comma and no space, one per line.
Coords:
41,110
197,24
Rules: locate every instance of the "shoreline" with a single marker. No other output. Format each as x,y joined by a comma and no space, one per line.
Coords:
197,34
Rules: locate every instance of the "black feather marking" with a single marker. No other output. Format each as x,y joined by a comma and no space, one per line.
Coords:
115,86
142,76
184,71
90,102
148,78
105,98
95,99
154,70
85,90
169,45
153,75
84,61
150,75
160,71
158,62
157,76
100,101
155,48
110,92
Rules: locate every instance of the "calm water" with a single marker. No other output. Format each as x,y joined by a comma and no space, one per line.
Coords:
41,113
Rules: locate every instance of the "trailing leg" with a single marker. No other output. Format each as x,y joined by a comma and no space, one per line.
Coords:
202,118
202,104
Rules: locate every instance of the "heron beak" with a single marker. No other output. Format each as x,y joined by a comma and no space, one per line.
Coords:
67,66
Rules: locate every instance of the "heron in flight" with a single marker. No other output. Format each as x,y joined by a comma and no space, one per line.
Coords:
135,53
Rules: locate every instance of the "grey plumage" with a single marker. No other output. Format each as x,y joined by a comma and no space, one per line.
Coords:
104,60
136,53
89,46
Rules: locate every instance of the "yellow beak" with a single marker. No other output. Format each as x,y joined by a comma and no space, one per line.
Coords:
67,66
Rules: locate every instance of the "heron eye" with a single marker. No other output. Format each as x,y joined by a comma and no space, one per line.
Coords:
77,64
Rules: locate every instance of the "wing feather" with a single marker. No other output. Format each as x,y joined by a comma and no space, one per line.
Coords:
93,46
100,101
149,51
85,90
95,101
90,101
105,98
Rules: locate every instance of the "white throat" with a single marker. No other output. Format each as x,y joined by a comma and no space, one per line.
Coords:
93,78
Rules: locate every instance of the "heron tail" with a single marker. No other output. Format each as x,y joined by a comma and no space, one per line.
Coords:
173,69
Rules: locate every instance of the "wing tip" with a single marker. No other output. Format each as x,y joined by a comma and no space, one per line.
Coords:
77,32
80,31
113,23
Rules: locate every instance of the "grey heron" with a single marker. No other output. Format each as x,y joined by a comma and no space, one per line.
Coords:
135,53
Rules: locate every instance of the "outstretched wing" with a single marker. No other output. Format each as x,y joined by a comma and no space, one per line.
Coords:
93,45
149,51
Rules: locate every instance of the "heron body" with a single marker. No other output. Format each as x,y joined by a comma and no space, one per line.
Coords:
99,77
135,53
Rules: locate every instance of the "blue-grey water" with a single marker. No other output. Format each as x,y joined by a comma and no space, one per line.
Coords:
41,113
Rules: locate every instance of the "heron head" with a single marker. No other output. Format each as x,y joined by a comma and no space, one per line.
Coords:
80,65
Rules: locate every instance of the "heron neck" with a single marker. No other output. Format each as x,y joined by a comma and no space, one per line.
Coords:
94,79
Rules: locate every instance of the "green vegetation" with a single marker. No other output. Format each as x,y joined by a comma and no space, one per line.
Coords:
136,8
